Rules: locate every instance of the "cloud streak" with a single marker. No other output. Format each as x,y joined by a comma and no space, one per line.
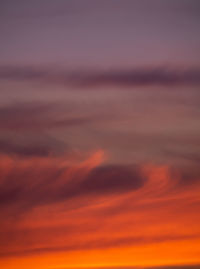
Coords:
79,194
57,183
155,76
35,116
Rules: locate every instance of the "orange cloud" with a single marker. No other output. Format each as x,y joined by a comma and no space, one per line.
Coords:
58,212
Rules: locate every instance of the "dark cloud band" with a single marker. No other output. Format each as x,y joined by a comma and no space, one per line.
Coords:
127,78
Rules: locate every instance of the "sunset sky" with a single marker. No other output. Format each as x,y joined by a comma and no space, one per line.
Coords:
99,134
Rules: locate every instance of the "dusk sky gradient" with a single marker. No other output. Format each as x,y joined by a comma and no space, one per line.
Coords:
99,134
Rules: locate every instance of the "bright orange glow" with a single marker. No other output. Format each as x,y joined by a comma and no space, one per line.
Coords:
99,134
155,224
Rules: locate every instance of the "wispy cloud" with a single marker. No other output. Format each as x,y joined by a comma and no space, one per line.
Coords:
93,205
57,183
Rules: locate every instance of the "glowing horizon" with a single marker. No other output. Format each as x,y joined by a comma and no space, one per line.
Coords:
99,134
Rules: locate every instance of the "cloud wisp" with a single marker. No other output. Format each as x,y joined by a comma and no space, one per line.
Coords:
77,197
57,183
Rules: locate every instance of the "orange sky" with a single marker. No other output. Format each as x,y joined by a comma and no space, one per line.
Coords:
156,223
99,134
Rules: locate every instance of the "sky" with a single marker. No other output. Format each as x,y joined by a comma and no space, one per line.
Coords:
99,134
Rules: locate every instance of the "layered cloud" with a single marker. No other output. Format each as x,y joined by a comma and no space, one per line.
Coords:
54,181
63,205
155,76
135,200
37,116
99,134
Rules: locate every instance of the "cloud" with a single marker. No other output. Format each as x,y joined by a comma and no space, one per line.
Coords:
37,146
56,204
54,183
23,129
45,180
193,157
38,116
118,78
100,244
113,178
